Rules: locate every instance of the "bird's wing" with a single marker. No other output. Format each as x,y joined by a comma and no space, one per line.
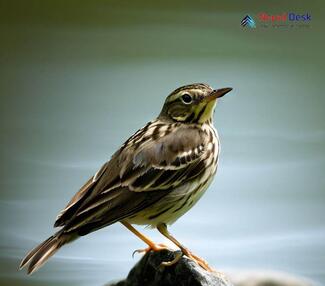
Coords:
142,165
78,198
153,161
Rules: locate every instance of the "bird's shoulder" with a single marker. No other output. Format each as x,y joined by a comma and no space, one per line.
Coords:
159,144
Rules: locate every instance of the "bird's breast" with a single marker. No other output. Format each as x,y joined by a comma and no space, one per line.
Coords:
182,198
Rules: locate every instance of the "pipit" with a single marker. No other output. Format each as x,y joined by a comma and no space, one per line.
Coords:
156,176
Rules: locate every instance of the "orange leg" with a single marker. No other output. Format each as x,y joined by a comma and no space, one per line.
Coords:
151,245
163,230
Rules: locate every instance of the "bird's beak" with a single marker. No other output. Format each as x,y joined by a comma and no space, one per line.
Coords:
217,94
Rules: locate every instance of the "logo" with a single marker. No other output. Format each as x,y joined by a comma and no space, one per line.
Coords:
278,20
284,17
248,21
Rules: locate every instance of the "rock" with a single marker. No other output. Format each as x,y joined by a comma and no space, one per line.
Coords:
148,272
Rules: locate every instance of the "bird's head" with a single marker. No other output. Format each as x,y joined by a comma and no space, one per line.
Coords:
192,103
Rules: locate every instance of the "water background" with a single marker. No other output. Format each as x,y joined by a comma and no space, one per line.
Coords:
77,79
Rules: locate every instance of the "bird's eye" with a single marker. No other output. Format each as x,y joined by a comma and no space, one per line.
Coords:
186,98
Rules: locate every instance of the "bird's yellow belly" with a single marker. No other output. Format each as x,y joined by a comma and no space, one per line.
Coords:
175,204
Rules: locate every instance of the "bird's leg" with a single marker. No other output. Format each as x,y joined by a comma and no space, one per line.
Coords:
163,230
151,245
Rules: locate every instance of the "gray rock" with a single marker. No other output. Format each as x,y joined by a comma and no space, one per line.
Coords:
148,272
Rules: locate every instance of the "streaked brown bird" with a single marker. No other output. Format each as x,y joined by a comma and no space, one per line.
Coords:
156,176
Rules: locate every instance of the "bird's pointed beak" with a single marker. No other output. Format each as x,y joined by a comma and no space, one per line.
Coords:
217,94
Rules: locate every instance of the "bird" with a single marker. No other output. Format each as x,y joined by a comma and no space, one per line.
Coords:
154,178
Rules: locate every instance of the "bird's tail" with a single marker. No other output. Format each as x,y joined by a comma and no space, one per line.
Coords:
41,253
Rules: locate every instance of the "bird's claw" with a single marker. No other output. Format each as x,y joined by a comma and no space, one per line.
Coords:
139,251
190,255
156,247
178,256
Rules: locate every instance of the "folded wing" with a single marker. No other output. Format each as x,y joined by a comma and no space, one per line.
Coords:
146,168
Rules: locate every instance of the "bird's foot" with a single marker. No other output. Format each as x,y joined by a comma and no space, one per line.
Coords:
160,247
178,256
200,261
154,247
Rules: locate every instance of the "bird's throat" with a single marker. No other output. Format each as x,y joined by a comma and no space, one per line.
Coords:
206,112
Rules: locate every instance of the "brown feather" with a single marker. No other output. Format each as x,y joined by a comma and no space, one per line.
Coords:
135,170
41,253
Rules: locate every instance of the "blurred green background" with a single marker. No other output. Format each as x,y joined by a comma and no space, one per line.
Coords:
78,77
